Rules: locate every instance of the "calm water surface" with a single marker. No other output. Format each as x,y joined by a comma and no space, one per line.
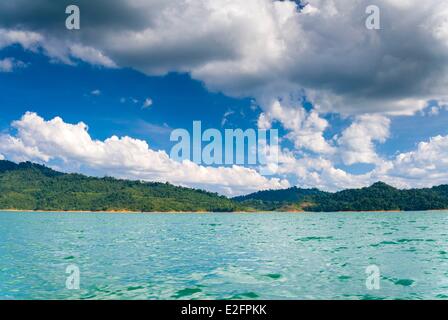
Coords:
224,256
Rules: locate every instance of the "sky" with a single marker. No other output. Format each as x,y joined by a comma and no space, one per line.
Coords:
353,106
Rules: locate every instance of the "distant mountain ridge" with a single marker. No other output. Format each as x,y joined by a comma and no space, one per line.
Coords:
30,186
378,197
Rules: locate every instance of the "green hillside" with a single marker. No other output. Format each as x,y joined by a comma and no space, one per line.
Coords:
277,200
378,197
28,186
381,196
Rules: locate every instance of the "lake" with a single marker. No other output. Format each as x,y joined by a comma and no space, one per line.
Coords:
224,256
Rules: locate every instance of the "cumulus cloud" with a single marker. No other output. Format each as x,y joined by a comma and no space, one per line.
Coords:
425,166
305,128
314,171
357,141
254,47
274,51
125,157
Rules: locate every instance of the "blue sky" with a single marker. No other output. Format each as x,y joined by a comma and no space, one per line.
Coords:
55,89
348,114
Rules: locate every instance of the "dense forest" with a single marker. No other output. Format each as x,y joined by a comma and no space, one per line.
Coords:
291,199
29,186
378,197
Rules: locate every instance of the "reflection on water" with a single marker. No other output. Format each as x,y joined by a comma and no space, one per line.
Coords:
224,256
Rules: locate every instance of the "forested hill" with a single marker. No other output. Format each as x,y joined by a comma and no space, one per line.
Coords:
28,186
378,197
292,199
293,194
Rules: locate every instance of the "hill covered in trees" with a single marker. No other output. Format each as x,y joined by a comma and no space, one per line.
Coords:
291,199
28,186
378,197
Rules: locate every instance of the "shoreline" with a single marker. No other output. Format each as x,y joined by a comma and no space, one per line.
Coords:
208,212
112,211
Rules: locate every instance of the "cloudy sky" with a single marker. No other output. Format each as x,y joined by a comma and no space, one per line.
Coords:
353,105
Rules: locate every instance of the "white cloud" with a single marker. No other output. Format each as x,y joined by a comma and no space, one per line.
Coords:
147,103
125,157
318,172
305,128
91,55
434,107
275,53
426,166
356,143
434,111
423,167
57,50
264,122
259,47
10,64
6,65
17,150
27,39
95,92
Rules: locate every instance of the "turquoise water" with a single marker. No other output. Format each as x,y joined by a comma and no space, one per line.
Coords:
224,256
